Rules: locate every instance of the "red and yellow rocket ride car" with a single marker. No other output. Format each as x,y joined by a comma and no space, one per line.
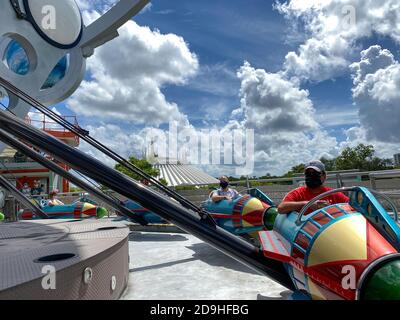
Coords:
345,251
342,252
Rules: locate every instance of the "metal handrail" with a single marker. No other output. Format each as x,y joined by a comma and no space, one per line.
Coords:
319,197
346,189
384,196
383,174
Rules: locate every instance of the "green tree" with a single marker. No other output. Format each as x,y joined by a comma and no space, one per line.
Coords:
267,176
330,165
75,189
295,170
143,165
361,157
231,178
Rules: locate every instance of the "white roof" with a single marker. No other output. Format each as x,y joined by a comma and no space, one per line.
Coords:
183,174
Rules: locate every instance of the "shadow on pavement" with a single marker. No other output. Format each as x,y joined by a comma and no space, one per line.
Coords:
155,237
162,265
214,257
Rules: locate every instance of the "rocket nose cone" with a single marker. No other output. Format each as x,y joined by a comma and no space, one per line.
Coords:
383,283
101,212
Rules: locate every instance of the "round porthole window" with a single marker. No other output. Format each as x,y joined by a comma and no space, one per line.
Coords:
57,74
16,59
58,22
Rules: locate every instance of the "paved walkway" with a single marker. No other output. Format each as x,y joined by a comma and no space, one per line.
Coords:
169,266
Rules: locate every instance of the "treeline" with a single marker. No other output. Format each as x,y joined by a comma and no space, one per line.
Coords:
361,157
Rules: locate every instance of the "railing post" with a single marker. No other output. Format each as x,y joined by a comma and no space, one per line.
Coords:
372,180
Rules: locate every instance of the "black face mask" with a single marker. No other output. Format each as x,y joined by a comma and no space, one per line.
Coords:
313,181
224,184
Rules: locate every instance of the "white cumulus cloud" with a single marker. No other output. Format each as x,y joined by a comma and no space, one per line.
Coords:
272,103
376,92
332,29
283,119
127,76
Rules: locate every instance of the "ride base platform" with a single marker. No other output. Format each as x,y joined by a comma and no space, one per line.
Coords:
63,259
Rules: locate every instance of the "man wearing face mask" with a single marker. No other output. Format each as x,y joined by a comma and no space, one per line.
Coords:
224,192
315,176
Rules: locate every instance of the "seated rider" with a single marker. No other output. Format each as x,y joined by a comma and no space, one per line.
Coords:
224,192
315,177
52,200
26,190
37,190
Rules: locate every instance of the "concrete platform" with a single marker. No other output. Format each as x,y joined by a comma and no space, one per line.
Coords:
169,266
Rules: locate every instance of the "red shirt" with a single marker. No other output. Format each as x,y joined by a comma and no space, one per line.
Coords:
305,194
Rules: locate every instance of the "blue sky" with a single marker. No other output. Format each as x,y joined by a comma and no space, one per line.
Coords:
226,33
315,87
222,36
225,36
